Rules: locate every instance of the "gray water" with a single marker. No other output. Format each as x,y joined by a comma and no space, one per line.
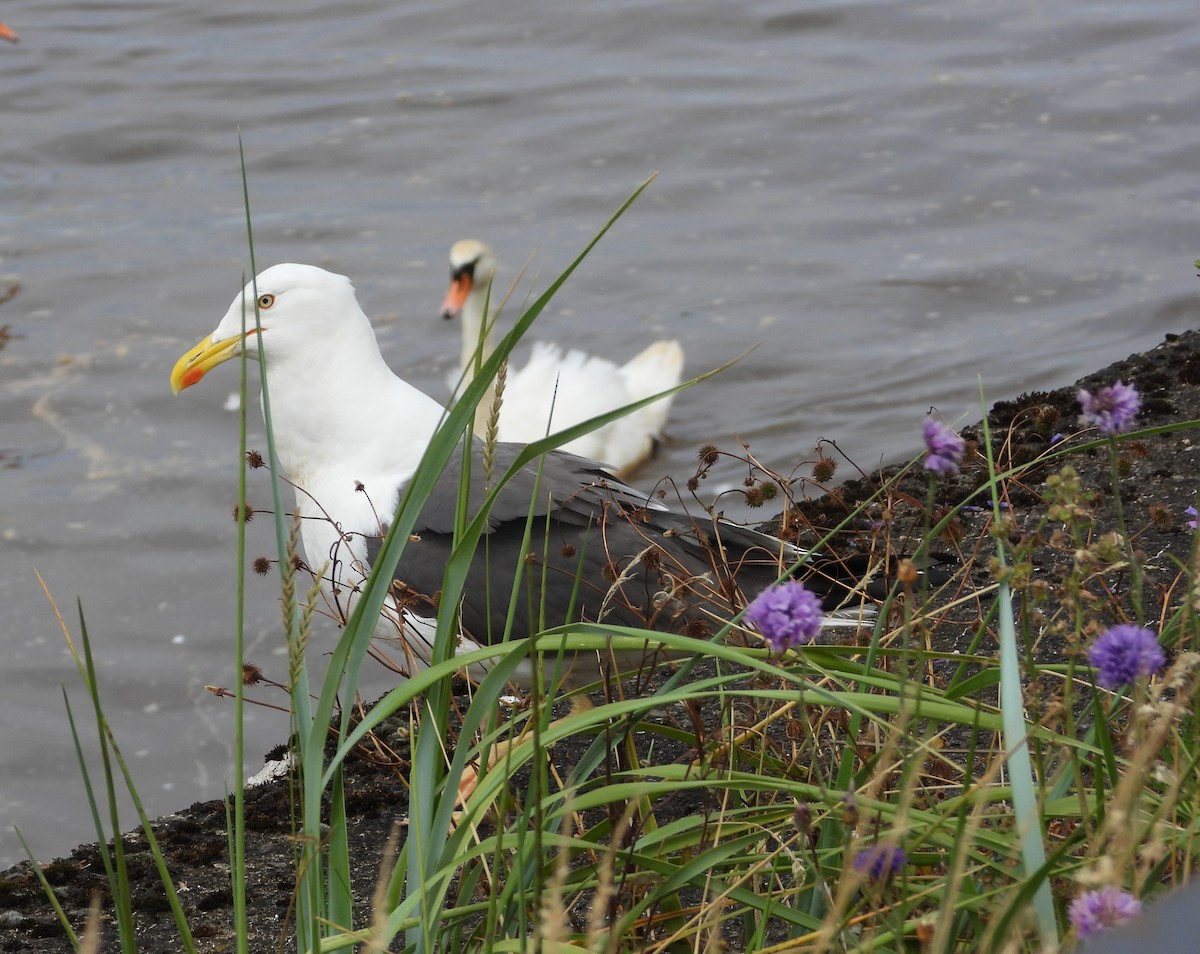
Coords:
891,200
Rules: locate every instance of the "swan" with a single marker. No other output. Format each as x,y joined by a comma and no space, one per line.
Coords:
556,390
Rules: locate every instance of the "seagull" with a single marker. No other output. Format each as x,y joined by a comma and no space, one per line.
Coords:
556,390
349,435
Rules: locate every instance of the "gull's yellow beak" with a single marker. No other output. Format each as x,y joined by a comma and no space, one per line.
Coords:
198,361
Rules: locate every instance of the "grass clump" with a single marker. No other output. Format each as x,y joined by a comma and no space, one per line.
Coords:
968,774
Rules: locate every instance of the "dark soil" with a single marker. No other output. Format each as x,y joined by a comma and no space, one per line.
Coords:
1159,480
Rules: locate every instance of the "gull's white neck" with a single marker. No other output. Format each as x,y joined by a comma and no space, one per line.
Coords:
340,415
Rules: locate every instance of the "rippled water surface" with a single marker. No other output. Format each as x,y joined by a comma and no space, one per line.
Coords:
891,199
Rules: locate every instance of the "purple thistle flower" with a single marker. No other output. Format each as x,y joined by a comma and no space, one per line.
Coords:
1096,911
1123,653
1194,523
786,615
943,448
1111,409
880,862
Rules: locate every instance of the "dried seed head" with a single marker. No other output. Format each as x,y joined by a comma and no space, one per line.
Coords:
246,515
262,565
651,558
824,469
1045,417
251,674
850,809
708,455
254,460
952,532
697,628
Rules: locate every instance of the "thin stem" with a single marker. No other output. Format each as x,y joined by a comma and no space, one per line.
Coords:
1135,567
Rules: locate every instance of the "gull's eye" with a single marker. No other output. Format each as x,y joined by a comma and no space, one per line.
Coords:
266,301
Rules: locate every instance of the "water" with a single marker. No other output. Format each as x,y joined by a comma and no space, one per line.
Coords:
889,199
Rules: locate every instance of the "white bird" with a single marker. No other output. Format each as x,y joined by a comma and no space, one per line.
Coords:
349,435
557,390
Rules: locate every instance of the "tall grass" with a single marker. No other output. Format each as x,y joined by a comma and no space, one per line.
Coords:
751,800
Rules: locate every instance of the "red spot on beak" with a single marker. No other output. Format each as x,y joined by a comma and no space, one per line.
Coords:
191,376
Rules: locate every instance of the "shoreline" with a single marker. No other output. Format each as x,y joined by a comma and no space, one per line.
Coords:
1160,482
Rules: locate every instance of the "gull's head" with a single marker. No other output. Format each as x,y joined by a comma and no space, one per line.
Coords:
472,268
298,308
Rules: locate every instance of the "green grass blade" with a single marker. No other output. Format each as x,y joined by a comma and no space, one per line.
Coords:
181,924
120,884
310,875
237,827
49,891
1012,711
101,835
339,899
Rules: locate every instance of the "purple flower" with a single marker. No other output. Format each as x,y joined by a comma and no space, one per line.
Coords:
1111,409
943,448
880,862
1096,911
1194,523
1124,653
786,615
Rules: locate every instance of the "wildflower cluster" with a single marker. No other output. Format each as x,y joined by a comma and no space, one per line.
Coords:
786,615
943,448
1123,654
1097,911
880,862
1111,409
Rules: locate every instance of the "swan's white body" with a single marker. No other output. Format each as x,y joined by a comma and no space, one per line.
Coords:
557,389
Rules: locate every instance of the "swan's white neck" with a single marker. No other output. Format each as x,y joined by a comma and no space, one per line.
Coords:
473,318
